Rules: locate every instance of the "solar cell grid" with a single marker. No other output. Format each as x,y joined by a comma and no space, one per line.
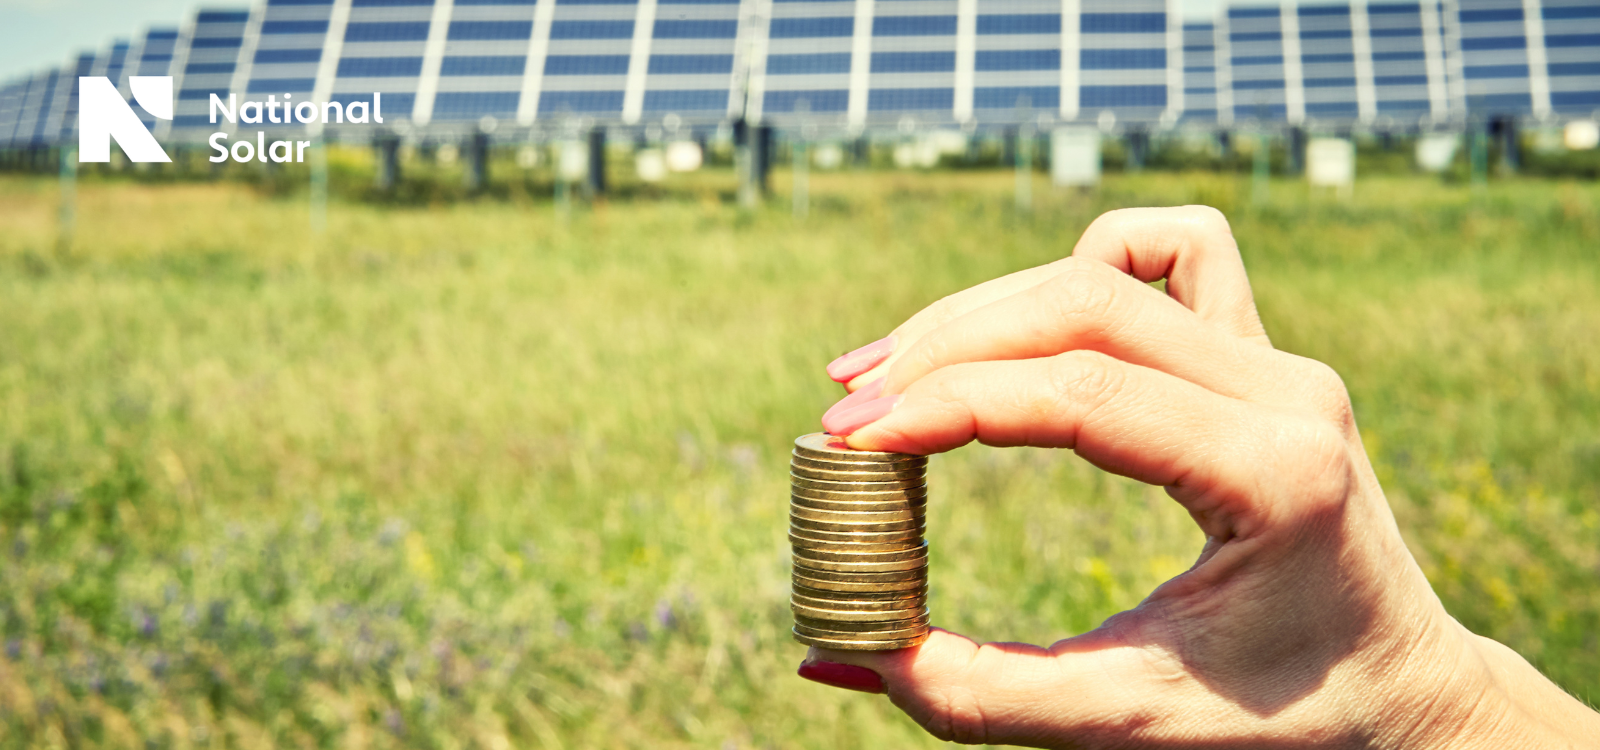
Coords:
206,56
1018,57
1199,72
1496,59
809,55
1572,54
382,51
484,60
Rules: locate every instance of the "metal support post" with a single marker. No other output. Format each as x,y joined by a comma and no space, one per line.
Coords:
388,146
478,162
595,185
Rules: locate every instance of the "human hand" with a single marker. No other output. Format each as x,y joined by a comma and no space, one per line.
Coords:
1305,620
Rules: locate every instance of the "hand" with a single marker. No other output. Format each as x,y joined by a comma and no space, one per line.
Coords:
1304,621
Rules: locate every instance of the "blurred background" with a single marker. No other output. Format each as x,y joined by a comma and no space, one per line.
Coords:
470,430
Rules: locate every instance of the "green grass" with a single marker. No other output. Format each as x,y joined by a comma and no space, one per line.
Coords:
477,476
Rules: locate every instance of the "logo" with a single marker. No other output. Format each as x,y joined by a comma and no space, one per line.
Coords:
103,116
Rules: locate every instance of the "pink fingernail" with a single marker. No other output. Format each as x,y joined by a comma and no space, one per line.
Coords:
847,676
846,421
850,366
862,395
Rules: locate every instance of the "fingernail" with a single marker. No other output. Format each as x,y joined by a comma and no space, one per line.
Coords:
848,367
846,421
847,676
862,395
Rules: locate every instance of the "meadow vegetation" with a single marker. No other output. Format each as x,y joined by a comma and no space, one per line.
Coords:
481,474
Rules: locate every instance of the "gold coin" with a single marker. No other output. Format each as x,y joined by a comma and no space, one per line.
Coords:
825,447
857,516
858,615
802,523
855,507
837,602
919,551
844,645
864,598
830,475
914,620
910,631
860,567
918,493
855,537
859,587
818,464
798,482
895,545
914,574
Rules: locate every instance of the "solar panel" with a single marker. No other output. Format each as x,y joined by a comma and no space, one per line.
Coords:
1200,72
63,126
204,62
1494,52
1017,61
911,68
380,47
1123,58
688,67
1407,48
485,58
856,63
809,52
1572,52
1257,65
1328,62
287,51
586,58
11,96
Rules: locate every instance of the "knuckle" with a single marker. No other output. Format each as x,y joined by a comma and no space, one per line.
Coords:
930,353
955,715
1319,464
1081,297
1081,380
1327,395
1209,219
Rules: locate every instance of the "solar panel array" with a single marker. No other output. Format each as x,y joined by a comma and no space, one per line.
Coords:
449,64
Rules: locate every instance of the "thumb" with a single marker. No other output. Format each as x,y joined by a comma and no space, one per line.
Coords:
996,693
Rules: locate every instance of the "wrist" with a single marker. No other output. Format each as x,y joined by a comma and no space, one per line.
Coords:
1484,695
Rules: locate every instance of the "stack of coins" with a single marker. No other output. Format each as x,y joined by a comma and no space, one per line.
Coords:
860,562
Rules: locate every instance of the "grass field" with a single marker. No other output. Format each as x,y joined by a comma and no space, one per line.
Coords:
475,475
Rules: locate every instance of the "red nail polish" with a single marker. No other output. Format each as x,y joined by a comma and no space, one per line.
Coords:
847,676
